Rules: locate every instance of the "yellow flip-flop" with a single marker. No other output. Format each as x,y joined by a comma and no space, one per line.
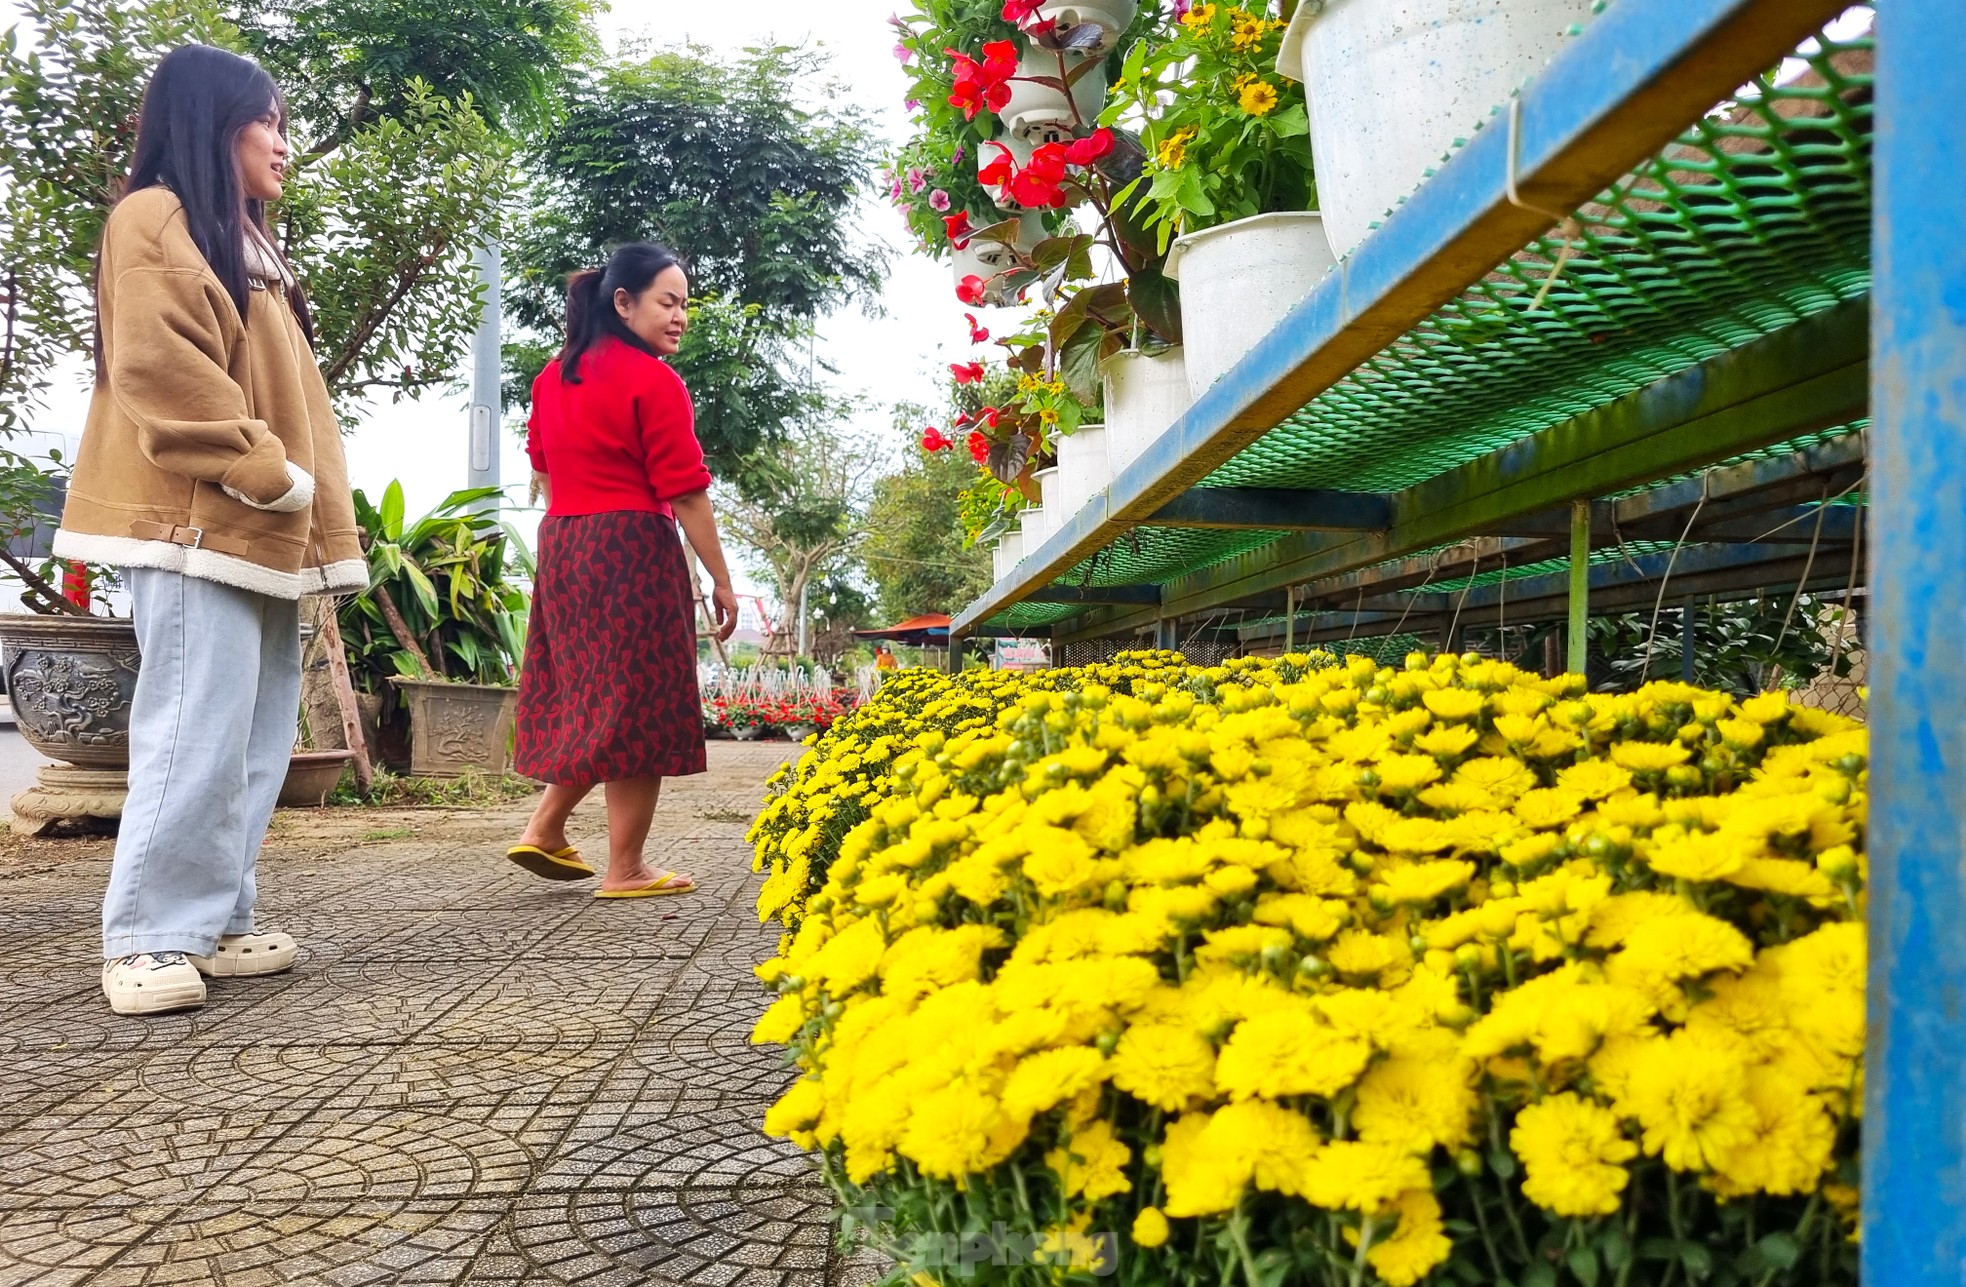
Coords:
562,864
655,889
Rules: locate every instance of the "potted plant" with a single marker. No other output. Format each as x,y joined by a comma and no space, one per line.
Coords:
1228,175
437,637
1387,95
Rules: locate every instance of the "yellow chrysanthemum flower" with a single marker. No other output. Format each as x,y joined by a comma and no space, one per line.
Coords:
1418,1244
1690,1099
1150,1228
1573,1154
1165,1064
1289,1053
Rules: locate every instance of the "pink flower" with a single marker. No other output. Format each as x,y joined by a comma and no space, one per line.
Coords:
938,200
915,180
911,104
894,190
904,54
961,152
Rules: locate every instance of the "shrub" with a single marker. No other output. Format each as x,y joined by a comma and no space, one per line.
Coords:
1309,972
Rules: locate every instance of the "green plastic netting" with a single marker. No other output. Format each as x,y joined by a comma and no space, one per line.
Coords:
1755,218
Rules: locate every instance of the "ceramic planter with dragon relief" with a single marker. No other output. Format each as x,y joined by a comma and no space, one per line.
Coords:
71,680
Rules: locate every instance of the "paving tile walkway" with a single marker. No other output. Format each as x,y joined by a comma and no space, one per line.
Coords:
472,1076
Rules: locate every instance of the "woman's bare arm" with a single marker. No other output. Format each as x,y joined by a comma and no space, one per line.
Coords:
699,522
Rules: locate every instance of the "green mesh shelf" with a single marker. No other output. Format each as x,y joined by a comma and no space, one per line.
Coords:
1755,218
1765,453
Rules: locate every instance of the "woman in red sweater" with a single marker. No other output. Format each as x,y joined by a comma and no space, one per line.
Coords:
608,692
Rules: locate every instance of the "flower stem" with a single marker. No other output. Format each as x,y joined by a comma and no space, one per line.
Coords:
1365,1232
1239,1234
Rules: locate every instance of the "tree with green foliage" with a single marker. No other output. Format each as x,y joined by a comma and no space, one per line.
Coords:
383,210
344,64
915,550
801,527
720,160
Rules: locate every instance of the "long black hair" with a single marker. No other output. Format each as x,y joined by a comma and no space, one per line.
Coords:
591,315
199,100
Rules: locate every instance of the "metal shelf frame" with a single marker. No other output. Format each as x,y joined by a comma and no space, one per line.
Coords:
1887,373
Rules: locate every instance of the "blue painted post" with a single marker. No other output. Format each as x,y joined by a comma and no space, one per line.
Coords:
1914,1191
1166,635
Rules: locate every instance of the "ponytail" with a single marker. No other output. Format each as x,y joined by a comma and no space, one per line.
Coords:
591,315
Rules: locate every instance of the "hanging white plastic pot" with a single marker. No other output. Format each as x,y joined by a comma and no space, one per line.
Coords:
1144,395
1238,281
1390,84
996,264
1083,469
1111,17
1039,114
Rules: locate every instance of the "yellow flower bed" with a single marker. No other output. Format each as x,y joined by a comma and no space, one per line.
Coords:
1304,971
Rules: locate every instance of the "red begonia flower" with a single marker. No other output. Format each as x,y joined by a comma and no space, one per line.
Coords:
988,416
967,372
932,440
977,334
1085,151
998,172
1017,11
970,290
1033,190
979,448
958,228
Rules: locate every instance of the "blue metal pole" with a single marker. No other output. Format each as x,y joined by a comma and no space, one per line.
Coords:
1914,1190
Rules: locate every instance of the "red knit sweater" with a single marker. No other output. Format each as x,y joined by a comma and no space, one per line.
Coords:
624,438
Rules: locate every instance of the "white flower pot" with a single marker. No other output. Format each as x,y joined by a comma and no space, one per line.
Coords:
1392,83
1020,156
1144,395
1039,114
1054,513
1238,281
1112,17
1083,470
1010,549
1034,527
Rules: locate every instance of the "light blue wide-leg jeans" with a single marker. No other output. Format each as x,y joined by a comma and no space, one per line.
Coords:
211,729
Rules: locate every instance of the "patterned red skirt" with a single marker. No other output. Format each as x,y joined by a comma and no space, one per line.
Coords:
608,690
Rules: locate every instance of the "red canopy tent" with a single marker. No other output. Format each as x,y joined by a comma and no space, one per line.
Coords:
930,630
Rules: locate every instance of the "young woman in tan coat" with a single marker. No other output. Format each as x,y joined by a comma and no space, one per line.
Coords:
211,472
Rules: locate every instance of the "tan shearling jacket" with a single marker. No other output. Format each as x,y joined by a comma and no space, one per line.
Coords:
211,448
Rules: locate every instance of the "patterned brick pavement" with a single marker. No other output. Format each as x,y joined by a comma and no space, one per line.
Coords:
472,1076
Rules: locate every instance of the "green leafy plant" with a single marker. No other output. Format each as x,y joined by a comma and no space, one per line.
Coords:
1225,136
440,602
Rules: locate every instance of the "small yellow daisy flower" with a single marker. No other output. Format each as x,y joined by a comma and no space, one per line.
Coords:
1258,99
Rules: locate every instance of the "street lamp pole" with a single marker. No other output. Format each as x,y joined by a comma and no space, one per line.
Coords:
487,401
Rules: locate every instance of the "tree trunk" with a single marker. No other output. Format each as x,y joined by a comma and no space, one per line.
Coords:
318,703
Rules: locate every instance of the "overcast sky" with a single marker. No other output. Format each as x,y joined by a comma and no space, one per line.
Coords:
891,358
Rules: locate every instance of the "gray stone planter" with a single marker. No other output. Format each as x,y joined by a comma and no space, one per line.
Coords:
71,680
458,728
